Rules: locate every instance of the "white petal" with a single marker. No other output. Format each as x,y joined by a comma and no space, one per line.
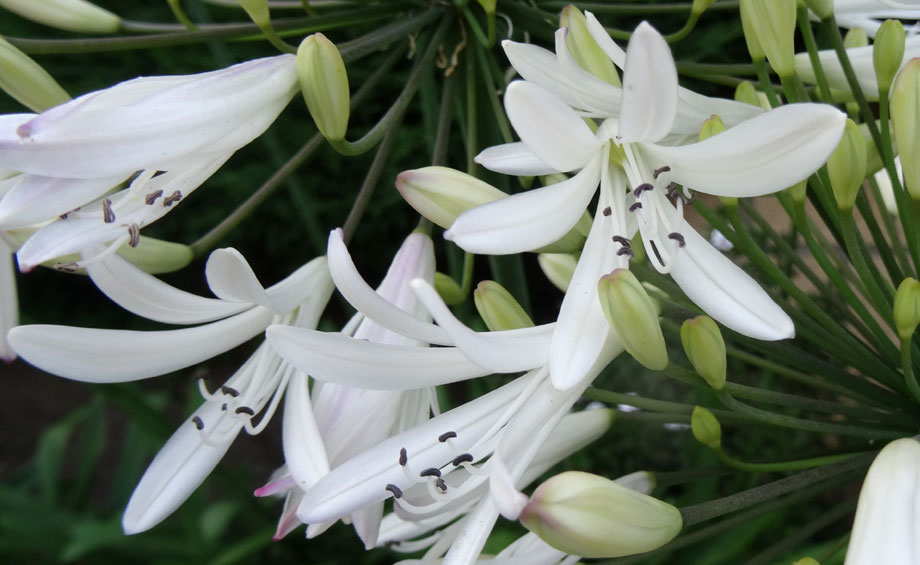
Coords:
178,469
649,87
539,66
34,199
549,127
231,278
477,526
725,292
367,523
606,43
96,356
767,153
145,295
593,94
304,450
310,283
513,159
693,109
527,220
507,499
344,360
9,304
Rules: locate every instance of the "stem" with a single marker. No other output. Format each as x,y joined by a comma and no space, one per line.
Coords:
812,48
442,136
908,369
797,465
793,539
363,198
881,298
764,76
684,31
180,15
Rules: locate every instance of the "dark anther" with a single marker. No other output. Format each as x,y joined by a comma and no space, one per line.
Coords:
108,216
64,215
430,472
245,410
152,197
446,436
397,492
621,240
223,407
678,238
625,251
690,200
635,206
441,484
657,254
134,233
230,390
158,173
403,457
172,199
462,458
67,267
659,171
607,211
199,424
642,188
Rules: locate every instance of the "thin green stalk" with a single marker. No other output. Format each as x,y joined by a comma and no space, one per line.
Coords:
881,297
639,8
654,405
176,8
442,134
794,539
909,377
763,76
779,466
893,232
492,93
471,134
685,30
359,206
811,47
879,239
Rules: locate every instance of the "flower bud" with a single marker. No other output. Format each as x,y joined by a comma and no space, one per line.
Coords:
773,23
257,11
488,6
750,37
884,530
498,309
699,6
846,166
441,194
157,256
798,191
71,15
821,8
705,348
705,427
746,92
855,37
905,119
558,268
448,289
591,516
907,307
888,52
324,83
711,126
806,561
584,49
633,317
26,81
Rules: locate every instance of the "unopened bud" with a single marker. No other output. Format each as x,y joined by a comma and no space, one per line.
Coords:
558,268
451,292
907,307
705,427
807,561
705,348
711,126
821,8
746,92
324,83
441,194
488,6
855,37
26,81
591,516
846,166
888,52
498,309
71,15
699,6
586,52
773,23
156,255
905,119
257,11
798,191
634,318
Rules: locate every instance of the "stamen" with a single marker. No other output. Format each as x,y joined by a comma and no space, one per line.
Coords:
659,171
152,197
230,390
635,206
431,472
607,211
678,238
172,199
245,410
70,267
642,188
403,457
622,241
441,484
223,407
199,423
657,253
625,251
134,232
397,492
446,436
108,216
462,458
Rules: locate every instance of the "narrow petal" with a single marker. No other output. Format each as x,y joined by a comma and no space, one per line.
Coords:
507,499
310,283
304,450
616,53
539,66
767,153
344,360
725,292
9,303
693,109
98,356
231,278
527,220
513,159
549,127
649,87
34,199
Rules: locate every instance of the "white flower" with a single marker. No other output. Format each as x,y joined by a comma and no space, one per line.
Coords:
164,136
760,155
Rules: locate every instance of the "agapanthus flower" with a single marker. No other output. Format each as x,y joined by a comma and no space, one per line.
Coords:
243,309
760,155
99,168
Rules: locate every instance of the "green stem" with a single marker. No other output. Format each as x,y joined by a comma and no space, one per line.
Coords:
881,298
882,243
359,206
794,539
180,15
640,8
812,48
654,405
684,31
763,75
442,134
908,369
797,465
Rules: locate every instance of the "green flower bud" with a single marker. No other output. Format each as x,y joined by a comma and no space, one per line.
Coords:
498,309
798,191
258,11
855,37
888,52
591,516
705,427
584,49
846,166
773,23
750,36
324,83
699,6
905,119
746,92
448,289
71,15
441,194
907,307
705,348
712,126
821,8
157,256
488,6
26,81
634,318
806,561
558,268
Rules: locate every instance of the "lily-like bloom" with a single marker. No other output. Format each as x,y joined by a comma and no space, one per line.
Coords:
99,168
247,400
758,156
888,514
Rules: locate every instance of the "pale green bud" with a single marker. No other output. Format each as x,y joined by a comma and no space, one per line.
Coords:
750,36
451,292
705,427
584,49
558,268
72,15
26,81
855,37
711,126
498,309
257,10
905,119
773,23
591,516
324,83
488,6
798,191
907,307
746,92
699,6
157,256
846,166
821,8
634,318
888,52
705,348
440,194
806,561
